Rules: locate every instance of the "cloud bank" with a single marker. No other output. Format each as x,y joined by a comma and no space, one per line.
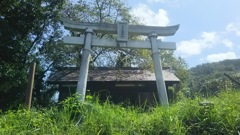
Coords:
149,17
221,56
197,45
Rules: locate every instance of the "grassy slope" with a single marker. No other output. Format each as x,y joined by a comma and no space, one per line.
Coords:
185,117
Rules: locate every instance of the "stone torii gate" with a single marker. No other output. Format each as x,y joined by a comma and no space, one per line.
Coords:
121,29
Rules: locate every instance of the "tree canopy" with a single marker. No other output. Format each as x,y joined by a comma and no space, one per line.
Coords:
25,26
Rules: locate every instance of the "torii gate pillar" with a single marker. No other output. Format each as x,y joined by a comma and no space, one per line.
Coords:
161,88
83,73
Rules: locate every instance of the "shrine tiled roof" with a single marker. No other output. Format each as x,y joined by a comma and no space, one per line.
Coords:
70,74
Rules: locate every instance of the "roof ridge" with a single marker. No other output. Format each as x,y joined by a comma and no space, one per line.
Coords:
109,68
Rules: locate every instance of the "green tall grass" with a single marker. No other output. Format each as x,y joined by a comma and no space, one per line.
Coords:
216,115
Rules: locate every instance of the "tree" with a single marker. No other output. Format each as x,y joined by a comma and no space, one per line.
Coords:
103,11
25,26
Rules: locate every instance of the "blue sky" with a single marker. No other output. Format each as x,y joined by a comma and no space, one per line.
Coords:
209,29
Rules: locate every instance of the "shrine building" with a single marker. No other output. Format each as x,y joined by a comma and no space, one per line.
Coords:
118,85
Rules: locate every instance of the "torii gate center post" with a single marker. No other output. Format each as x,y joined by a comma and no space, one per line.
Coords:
121,29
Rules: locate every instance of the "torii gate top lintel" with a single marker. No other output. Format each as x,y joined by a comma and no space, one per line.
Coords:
112,28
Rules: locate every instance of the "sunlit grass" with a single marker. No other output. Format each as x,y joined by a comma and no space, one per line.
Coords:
216,115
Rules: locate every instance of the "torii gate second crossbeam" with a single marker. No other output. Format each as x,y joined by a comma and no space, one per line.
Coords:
121,29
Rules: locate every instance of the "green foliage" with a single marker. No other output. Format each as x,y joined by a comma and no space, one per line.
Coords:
210,68
25,27
216,115
209,79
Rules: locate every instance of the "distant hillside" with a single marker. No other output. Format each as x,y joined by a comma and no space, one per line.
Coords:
208,69
209,79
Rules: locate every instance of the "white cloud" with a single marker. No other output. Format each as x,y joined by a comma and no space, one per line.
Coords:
221,56
228,43
149,17
234,27
195,46
209,37
191,47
